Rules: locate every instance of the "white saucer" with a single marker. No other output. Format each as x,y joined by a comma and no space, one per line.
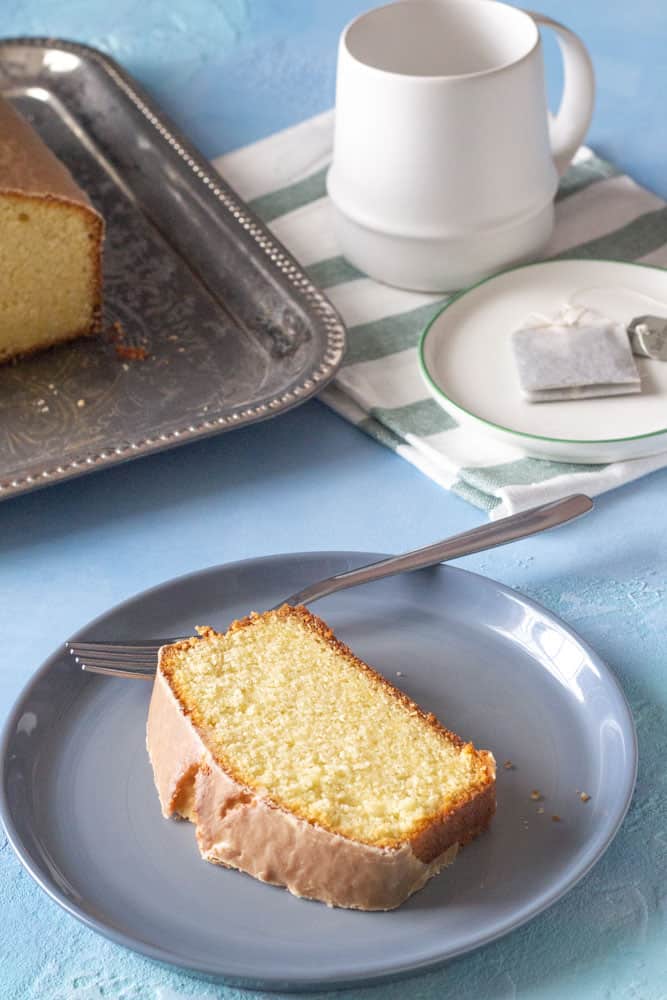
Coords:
466,360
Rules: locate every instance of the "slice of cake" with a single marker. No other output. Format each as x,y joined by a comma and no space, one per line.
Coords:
50,245
302,766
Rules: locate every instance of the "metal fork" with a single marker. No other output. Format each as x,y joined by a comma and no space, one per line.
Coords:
139,657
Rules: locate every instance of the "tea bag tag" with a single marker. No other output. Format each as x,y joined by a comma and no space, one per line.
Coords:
648,337
648,333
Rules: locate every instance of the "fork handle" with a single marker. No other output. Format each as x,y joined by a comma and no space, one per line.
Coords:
488,536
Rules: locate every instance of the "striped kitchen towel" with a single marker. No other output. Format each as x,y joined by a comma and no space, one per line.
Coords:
599,213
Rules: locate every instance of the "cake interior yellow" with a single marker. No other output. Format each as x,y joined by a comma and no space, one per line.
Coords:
295,716
300,764
50,245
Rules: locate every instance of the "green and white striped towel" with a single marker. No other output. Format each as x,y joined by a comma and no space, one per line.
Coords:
599,213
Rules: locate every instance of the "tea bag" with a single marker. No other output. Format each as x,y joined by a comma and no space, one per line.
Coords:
577,353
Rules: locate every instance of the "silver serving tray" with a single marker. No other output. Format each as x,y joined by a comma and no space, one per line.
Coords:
235,330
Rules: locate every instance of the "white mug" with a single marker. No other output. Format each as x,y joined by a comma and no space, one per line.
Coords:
445,160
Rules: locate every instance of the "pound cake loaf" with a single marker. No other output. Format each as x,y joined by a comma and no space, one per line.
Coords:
302,766
50,245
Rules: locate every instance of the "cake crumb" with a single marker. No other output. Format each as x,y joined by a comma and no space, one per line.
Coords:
399,673
80,403
540,810
126,352
584,796
556,819
536,795
508,765
129,353
116,332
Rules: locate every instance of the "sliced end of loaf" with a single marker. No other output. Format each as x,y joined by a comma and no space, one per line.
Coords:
50,272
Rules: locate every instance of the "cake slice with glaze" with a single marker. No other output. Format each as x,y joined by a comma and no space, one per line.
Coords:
302,766
50,245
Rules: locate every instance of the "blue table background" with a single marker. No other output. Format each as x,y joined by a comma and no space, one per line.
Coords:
230,72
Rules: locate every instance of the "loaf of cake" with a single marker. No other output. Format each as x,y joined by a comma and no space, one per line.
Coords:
50,245
302,766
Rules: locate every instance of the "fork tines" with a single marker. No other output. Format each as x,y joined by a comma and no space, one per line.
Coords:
138,659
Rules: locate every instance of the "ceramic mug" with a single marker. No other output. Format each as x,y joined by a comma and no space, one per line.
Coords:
446,161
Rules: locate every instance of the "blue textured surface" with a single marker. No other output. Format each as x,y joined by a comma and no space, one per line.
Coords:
229,72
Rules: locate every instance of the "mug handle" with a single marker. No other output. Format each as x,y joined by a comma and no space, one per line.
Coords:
569,126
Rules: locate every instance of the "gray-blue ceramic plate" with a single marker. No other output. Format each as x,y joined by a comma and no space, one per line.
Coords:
80,809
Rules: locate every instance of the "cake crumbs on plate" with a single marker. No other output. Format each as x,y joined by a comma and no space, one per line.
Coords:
399,673
509,766
584,796
536,795
540,811
126,352
556,819
130,353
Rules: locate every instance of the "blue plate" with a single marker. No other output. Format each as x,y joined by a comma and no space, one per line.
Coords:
80,810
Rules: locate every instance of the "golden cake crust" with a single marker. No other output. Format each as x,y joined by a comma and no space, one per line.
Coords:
240,826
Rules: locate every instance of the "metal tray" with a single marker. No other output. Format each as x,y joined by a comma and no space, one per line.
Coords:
235,330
